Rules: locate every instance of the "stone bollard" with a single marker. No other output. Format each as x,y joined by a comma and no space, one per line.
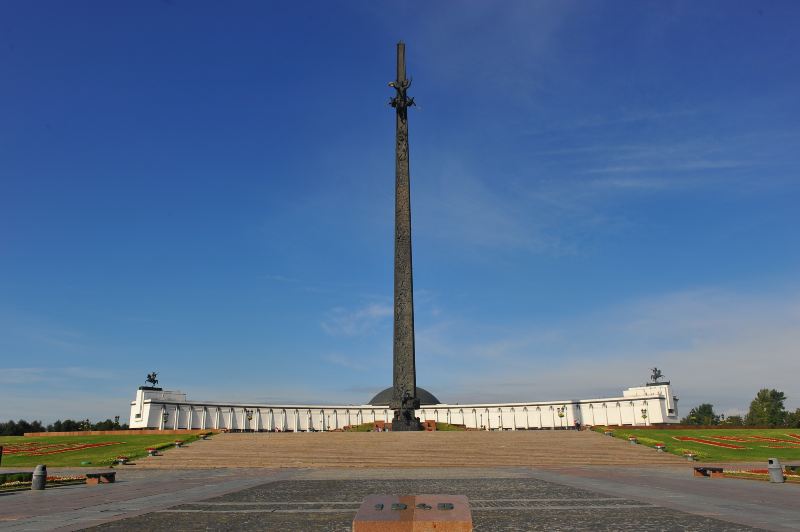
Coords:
690,457
775,470
39,477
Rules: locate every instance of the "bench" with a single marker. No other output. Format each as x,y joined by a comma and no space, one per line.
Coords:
106,477
704,471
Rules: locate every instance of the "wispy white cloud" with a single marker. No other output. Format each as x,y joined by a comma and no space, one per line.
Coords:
460,206
633,183
41,332
80,403
344,361
277,278
32,375
343,322
602,121
716,346
666,167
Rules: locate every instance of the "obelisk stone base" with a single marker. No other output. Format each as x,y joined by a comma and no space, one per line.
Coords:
404,421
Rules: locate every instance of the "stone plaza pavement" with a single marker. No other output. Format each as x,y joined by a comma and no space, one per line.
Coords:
567,495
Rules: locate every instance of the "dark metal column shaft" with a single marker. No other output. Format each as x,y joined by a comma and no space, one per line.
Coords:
404,399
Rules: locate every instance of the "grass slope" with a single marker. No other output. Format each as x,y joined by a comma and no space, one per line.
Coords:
132,446
754,448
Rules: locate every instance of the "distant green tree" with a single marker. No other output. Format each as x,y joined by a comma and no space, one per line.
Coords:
104,425
68,425
18,428
767,408
793,419
701,415
108,424
733,420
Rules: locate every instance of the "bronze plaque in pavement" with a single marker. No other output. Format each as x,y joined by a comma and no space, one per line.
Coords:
417,513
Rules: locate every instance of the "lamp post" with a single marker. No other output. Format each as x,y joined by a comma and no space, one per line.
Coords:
644,415
164,419
249,414
561,413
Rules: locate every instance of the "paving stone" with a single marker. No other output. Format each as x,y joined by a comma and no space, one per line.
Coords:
497,504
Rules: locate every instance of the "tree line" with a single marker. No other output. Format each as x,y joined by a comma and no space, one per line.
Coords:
20,427
766,410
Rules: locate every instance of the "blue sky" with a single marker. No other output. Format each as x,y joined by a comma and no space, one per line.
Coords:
205,189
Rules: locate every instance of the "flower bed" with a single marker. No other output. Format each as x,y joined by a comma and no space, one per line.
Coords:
708,442
43,449
759,474
730,438
774,440
17,485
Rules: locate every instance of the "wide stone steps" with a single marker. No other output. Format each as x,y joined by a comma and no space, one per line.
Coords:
396,449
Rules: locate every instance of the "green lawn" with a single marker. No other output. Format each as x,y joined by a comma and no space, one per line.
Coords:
132,446
752,448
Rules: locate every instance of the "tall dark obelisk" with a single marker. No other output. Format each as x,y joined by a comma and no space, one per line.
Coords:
404,399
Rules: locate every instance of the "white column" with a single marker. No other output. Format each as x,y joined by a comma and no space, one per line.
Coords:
177,416
203,418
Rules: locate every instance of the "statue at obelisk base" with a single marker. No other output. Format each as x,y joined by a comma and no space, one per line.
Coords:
404,398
